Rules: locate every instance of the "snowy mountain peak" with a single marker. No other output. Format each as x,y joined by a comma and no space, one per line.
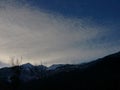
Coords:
55,66
27,65
41,67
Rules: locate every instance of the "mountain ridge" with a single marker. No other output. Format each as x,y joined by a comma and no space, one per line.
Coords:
102,72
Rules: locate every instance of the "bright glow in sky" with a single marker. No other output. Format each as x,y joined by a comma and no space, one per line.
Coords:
38,35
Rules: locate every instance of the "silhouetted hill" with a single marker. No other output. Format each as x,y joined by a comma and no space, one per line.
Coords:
101,74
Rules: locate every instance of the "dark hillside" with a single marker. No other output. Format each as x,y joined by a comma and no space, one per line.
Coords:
101,74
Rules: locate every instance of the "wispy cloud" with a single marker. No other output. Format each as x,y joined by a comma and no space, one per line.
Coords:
38,35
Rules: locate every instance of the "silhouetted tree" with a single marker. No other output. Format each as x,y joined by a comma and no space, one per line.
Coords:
15,61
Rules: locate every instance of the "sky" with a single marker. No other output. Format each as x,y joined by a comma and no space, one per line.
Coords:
58,31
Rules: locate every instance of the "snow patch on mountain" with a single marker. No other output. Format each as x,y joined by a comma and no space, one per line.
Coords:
55,66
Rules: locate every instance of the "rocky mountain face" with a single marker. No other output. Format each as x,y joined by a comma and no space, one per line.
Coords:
101,74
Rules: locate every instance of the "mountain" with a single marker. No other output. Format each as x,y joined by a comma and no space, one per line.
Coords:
101,74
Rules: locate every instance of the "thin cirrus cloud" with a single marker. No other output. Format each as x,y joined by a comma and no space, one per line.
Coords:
38,35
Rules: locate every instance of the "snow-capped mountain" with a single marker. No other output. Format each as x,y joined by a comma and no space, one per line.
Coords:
28,72
101,70
24,73
55,66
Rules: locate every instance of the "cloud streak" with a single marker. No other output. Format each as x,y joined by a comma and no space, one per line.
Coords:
38,35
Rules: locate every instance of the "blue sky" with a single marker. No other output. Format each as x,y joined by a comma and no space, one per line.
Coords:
96,9
58,31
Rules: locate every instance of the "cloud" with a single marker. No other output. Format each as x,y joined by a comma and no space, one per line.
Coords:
3,65
39,35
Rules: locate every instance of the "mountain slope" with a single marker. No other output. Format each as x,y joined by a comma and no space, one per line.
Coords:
101,74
